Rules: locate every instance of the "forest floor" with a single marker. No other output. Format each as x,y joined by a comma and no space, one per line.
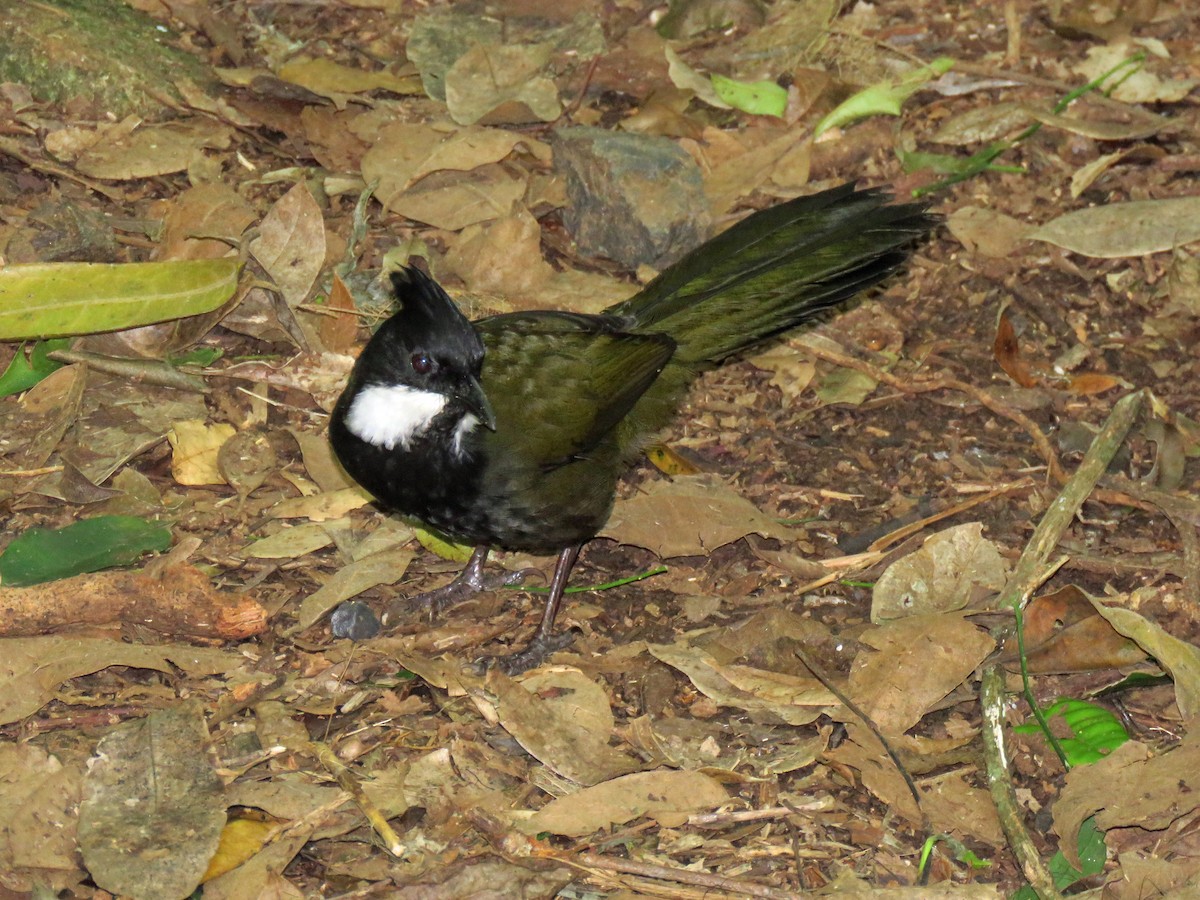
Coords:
841,515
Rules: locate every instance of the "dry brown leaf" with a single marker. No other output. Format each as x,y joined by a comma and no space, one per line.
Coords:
40,796
291,243
203,222
987,231
195,446
562,719
323,506
914,664
688,516
1064,633
151,150
503,257
454,200
790,699
339,331
1180,658
32,669
386,567
1119,230
1089,383
1138,85
943,575
1007,353
1133,786
290,543
502,83
665,794
335,81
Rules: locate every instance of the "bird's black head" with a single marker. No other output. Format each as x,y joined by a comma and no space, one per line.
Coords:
422,362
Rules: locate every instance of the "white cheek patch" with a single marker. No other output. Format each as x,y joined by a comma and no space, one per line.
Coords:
390,415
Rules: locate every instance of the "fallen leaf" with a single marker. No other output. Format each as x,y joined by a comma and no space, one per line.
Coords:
665,794
1007,352
151,150
562,719
1119,230
291,243
504,82
195,446
940,576
153,807
689,516
1180,658
334,80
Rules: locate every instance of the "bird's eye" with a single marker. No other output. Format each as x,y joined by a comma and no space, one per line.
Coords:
422,363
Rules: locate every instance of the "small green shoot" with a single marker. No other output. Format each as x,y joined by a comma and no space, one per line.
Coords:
957,847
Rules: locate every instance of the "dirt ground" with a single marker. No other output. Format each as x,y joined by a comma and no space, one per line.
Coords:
962,395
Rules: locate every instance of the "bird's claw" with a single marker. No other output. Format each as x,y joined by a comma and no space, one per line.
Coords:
533,655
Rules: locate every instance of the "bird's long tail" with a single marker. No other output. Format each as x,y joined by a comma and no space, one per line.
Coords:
775,269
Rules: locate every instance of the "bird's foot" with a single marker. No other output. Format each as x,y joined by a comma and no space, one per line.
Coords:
532,656
469,582
466,585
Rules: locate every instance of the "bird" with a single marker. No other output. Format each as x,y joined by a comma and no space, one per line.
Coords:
512,431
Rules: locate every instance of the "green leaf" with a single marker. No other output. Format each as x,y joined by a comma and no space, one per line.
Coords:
58,299
1092,853
26,371
884,98
45,554
760,98
437,543
1096,731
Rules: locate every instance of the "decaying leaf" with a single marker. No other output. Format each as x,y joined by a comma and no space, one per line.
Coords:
153,807
688,516
1118,230
952,568
195,446
666,795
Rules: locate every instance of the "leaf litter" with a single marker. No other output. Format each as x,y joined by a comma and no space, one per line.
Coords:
758,716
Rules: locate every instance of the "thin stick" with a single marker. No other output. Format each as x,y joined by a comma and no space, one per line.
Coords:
679,876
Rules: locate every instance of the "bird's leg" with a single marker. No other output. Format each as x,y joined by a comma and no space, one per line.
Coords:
466,584
545,641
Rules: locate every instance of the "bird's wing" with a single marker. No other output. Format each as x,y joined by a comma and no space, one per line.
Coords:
561,383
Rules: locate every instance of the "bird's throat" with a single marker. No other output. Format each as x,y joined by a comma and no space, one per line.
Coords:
391,415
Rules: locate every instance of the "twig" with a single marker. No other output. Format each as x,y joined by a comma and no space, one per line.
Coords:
1031,570
139,371
1004,795
913,527
941,383
866,720
679,876
350,784
721,819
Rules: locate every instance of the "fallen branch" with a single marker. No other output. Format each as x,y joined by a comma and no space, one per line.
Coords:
176,600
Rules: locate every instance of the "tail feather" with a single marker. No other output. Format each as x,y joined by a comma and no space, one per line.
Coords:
775,269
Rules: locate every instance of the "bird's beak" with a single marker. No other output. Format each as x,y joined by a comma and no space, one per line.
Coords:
471,396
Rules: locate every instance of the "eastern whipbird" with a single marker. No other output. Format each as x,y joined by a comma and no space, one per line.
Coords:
511,431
